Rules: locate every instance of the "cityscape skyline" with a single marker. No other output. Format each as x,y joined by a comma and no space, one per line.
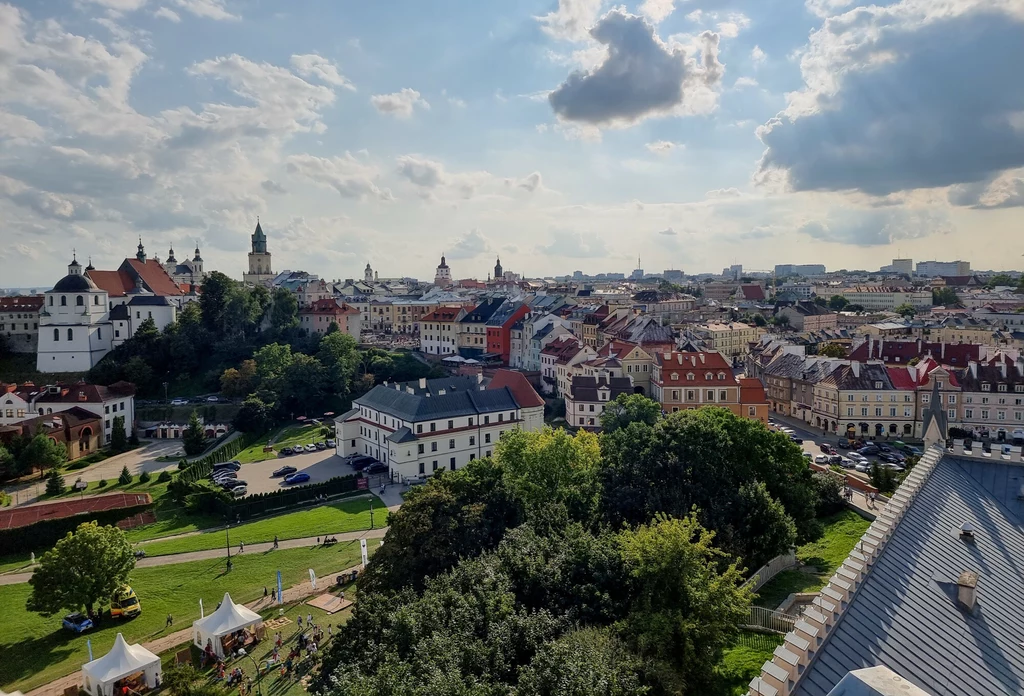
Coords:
352,143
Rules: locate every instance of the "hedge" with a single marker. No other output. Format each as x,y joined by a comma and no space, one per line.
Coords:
261,503
47,533
201,468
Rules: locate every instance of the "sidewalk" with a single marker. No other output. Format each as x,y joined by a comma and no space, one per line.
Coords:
172,559
172,640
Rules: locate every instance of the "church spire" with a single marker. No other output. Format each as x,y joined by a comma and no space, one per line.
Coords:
141,254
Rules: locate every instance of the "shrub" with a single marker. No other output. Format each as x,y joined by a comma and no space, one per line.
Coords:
144,477
126,477
830,494
164,477
102,483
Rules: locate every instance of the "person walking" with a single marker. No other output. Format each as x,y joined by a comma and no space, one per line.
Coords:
299,621
241,546
265,592
309,619
275,541
170,620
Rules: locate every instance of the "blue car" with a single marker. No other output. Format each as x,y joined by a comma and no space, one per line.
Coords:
300,477
77,622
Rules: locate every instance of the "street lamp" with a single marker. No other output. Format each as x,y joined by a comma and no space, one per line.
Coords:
371,511
259,674
227,532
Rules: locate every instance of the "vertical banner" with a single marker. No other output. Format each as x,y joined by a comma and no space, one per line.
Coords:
362,547
280,598
381,542
88,644
312,578
201,614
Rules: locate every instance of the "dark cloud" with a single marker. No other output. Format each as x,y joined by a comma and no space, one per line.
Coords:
641,77
921,102
668,232
1006,191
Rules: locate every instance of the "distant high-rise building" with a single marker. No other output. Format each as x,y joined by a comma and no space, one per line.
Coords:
577,275
905,266
799,269
932,269
734,272
673,275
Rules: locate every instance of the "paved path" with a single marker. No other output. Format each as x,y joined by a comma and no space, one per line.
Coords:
172,559
172,640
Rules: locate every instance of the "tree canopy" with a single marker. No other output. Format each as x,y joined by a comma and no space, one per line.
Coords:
832,350
629,408
84,567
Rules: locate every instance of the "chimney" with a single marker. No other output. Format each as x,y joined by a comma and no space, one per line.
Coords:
871,346
881,348
1002,367
423,382
479,377
701,358
973,366
855,366
967,589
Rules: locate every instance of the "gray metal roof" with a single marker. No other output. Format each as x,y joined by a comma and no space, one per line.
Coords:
399,403
905,615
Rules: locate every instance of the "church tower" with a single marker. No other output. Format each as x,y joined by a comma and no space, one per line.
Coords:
368,273
443,275
260,272
498,275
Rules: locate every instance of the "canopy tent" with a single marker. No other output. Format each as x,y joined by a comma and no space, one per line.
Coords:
228,619
123,660
454,359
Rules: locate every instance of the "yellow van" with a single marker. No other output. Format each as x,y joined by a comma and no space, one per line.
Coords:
124,604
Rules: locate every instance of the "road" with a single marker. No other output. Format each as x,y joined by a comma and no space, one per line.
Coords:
813,440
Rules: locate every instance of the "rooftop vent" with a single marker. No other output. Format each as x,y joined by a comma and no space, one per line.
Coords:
967,589
967,531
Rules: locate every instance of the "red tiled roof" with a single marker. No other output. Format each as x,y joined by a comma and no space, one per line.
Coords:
698,364
443,314
329,305
562,349
154,276
526,396
902,352
901,378
752,292
617,348
752,391
21,303
114,283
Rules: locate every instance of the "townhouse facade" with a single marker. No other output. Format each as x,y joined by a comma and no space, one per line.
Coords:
19,322
587,397
473,327
731,339
689,380
884,297
636,362
318,317
19,402
556,359
808,316
439,331
499,329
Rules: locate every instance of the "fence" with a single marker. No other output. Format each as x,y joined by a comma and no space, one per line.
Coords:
768,620
770,569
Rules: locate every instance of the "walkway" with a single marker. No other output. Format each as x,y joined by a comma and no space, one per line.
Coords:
173,559
172,640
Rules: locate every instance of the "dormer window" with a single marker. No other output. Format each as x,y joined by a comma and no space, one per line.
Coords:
985,386
689,376
721,376
709,376
1002,387
878,385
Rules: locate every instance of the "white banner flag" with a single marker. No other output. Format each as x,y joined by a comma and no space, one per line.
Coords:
362,547
312,578
201,614
381,542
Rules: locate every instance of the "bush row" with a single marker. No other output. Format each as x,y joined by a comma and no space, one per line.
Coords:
46,533
261,503
201,468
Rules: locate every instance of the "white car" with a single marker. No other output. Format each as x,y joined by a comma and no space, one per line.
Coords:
311,447
863,467
856,457
179,402
821,459
239,491
846,463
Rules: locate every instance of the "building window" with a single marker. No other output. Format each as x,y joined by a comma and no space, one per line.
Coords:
487,438
433,446
56,335
723,395
421,468
751,411
433,465
419,428
863,412
689,395
420,448
709,395
472,440
63,301
51,300
487,419
1002,387
451,463
952,413
451,444
451,424
849,411
591,408
984,415
969,413
433,427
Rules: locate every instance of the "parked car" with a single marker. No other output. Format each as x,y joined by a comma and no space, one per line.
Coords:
222,476
827,448
287,452
124,603
233,465
239,491
835,459
821,459
212,399
868,450
179,402
376,468
77,622
796,440
846,462
301,477
331,443
863,467
232,484
311,447
284,471
843,444
890,458
808,455
321,446
360,462
856,457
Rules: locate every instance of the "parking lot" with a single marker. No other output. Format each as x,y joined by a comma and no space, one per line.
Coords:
812,442
320,465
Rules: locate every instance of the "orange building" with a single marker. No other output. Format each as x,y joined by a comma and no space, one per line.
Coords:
683,381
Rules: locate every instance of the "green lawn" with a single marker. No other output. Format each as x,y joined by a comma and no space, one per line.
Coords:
14,562
743,661
821,558
155,489
36,650
285,437
333,518
21,367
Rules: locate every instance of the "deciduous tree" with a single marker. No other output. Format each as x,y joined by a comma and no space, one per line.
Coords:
629,408
42,453
85,567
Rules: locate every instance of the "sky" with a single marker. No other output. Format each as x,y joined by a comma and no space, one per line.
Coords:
560,135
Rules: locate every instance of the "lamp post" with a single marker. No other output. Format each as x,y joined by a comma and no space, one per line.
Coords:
259,674
371,511
227,532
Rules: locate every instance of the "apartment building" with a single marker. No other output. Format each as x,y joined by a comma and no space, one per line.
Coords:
862,398
499,329
884,297
318,317
19,322
636,362
418,428
731,339
992,398
684,381
587,396
473,326
18,402
808,316
439,331
556,359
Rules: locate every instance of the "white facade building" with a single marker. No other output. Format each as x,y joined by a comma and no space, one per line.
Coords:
75,330
18,403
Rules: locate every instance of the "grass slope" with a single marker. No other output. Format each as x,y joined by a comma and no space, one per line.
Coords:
36,650
333,518
743,662
821,558
285,437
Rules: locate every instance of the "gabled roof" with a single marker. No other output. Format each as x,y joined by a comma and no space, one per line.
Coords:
902,352
525,395
751,293
153,275
752,391
482,312
585,388
443,314
418,406
114,283
859,377
329,305
699,365
563,349
21,303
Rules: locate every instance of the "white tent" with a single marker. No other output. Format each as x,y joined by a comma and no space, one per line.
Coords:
228,618
122,661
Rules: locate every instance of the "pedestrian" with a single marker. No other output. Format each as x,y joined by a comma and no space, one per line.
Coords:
277,642
309,619
170,620
299,621
241,546
275,541
330,631
318,541
265,592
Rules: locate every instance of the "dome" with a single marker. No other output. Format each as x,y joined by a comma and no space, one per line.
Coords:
74,283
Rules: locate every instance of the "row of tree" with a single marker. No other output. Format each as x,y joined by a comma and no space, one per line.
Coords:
579,564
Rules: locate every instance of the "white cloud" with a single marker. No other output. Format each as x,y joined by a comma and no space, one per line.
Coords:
657,10
435,183
758,56
168,14
347,175
119,5
826,8
271,186
572,19
723,193
19,127
663,147
742,82
209,9
668,232
313,66
399,104
469,245
734,23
